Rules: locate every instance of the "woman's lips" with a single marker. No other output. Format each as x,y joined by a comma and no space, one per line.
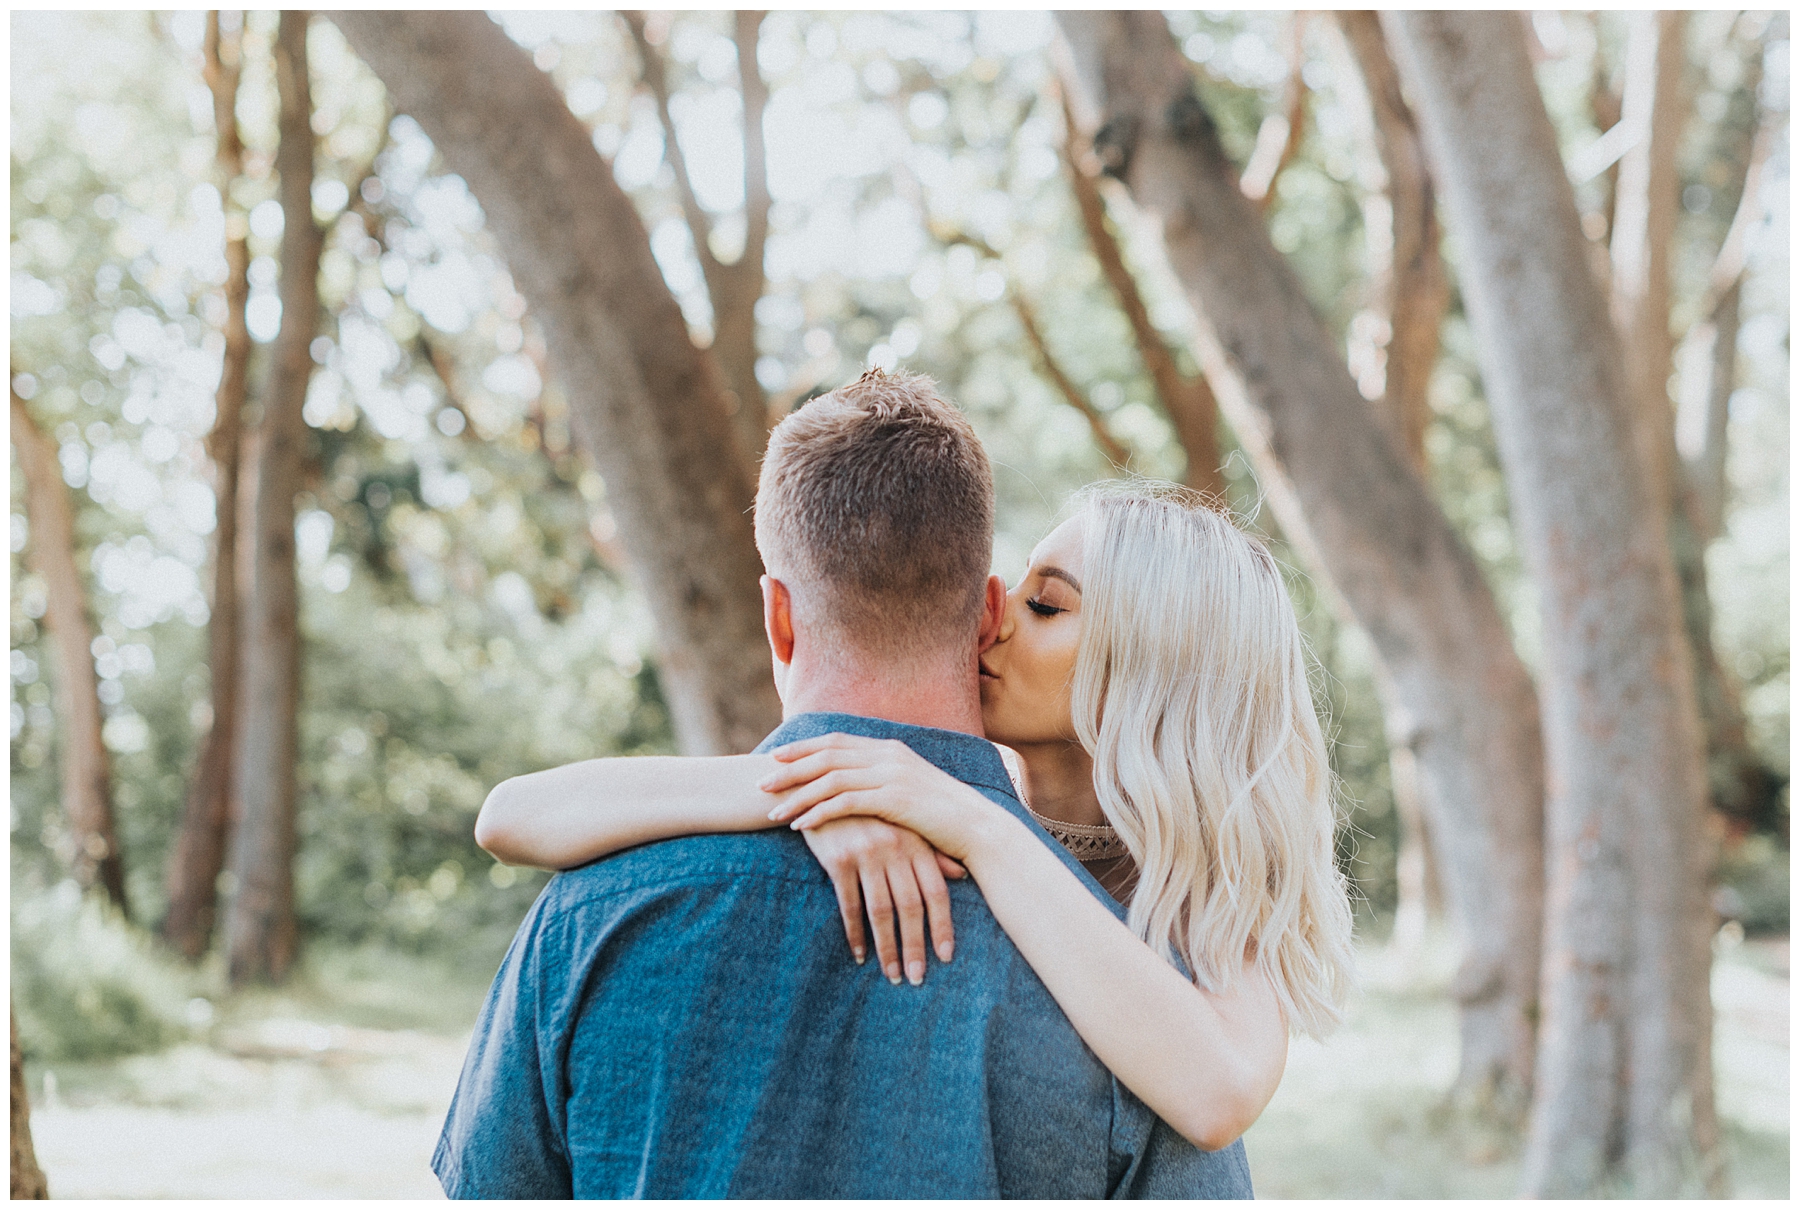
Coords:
987,673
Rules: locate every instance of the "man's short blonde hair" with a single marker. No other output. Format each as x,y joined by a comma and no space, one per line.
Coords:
876,507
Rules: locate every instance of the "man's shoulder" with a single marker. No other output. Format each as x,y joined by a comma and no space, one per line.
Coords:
686,861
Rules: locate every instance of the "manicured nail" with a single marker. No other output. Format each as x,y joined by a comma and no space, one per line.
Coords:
893,973
859,954
915,973
944,951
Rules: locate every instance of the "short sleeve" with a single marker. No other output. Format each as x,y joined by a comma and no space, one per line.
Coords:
502,1139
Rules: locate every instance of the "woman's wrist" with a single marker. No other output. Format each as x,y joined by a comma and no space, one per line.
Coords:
739,805
995,835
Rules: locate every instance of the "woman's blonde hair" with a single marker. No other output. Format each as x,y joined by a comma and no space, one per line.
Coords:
1191,695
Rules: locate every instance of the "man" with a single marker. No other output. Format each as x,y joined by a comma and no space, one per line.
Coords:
682,1020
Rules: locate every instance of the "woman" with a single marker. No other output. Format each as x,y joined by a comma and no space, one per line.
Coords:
1151,677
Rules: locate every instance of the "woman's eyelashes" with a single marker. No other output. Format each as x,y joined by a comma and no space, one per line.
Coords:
1043,608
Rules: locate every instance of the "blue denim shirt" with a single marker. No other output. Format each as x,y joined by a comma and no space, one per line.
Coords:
684,1019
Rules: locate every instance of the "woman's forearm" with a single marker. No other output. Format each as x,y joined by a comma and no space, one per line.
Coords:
572,814
1205,1064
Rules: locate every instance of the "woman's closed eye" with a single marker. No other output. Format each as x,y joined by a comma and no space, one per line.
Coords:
1043,608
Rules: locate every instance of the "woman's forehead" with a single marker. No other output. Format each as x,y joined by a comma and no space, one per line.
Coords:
1062,546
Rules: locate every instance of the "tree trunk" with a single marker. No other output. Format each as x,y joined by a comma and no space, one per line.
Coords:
86,769
649,408
1644,229
1188,402
1412,294
28,1182
199,852
1710,375
1343,492
1709,364
1624,1068
261,934
1414,291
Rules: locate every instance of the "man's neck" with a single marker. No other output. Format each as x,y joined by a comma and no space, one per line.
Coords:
921,699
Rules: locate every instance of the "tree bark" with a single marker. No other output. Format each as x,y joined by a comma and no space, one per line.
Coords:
733,288
1344,493
261,934
1412,292
199,852
86,768
1643,230
649,408
28,1182
1188,402
1624,1062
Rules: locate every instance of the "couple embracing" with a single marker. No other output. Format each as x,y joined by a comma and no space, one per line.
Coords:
1089,946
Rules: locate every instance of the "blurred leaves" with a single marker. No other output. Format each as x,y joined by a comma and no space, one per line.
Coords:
465,616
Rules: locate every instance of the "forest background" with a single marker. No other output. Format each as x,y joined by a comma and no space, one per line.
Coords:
471,594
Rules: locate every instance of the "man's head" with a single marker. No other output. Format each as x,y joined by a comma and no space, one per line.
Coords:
875,513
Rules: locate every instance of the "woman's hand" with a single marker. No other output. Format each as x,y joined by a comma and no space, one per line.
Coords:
832,776
899,878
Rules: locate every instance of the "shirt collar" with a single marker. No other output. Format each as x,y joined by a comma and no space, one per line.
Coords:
968,758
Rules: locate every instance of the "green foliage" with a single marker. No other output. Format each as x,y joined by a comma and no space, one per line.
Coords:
463,613
87,985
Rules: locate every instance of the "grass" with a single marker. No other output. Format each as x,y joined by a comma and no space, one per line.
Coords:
1367,1113
336,1084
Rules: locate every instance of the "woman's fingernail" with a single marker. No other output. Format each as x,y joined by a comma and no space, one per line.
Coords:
915,973
893,973
859,954
944,951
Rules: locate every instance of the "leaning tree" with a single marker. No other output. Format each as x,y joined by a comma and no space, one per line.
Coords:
1346,494
653,413
1624,1083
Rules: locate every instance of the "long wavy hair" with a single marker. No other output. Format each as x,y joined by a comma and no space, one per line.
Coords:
1191,695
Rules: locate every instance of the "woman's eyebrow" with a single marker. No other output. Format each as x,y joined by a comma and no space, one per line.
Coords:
1057,573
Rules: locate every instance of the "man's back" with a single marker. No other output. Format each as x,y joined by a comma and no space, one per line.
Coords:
684,1020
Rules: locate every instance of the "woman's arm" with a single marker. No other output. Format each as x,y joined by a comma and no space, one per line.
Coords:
572,814
1207,1064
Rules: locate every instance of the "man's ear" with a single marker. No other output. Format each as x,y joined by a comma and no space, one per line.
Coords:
778,619
993,612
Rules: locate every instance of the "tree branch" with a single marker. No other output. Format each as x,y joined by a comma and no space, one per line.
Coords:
1115,452
755,92
656,79
1416,288
1188,402
198,853
85,765
1278,139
